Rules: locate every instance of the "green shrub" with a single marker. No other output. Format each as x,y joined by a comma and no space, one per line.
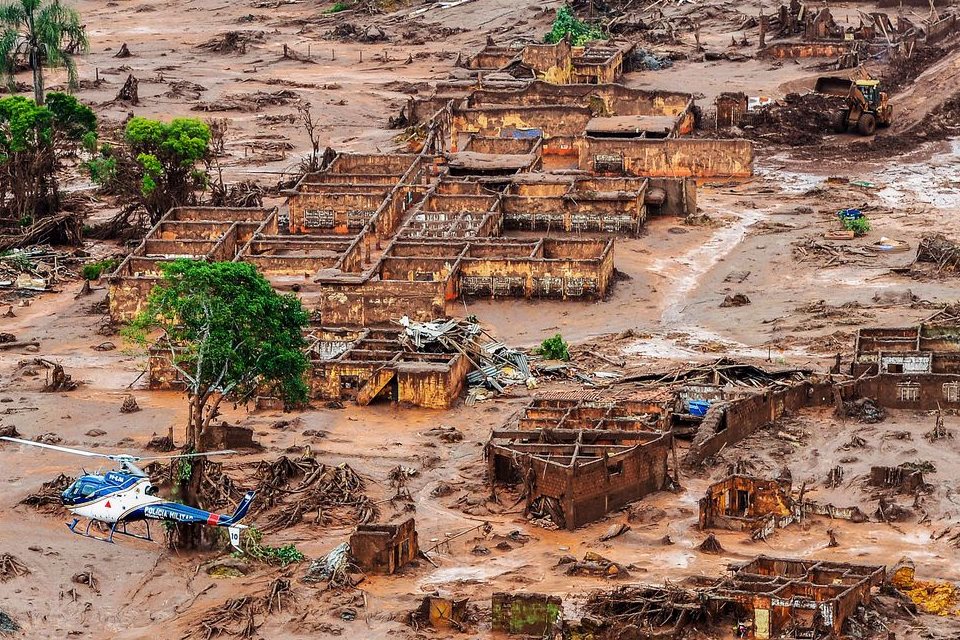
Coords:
252,544
859,226
94,270
567,24
338,7
554,348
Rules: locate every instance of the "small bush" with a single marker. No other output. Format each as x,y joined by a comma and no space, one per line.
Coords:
252,544
567,24
554,348
338,7
859,226
94,270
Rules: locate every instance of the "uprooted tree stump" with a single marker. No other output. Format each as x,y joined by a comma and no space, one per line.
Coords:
160,443
57,378
123,52
130,91
129,405
48,499
242,617
710,545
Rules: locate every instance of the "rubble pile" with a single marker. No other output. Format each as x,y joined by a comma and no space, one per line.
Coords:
38,268
496,365
797,120
940,251
336,568
865,410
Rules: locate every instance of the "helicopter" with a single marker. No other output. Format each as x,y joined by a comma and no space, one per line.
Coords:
126,495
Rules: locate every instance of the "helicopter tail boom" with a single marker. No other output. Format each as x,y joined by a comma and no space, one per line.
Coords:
240,512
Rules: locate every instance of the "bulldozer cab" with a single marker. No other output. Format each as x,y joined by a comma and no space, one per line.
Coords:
870,90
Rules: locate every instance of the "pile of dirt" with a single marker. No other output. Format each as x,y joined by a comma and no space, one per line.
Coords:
799,119
902,71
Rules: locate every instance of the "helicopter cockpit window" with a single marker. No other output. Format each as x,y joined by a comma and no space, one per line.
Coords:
81,490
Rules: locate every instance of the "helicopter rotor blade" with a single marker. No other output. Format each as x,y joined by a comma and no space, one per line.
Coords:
189,455
43,445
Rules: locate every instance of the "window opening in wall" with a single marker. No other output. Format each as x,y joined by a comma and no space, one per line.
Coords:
951,392
615,469
908,392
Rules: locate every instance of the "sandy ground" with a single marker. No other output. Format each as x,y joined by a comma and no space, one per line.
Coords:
803,310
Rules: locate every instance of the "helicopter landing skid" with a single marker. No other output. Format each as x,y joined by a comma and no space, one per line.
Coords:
113,530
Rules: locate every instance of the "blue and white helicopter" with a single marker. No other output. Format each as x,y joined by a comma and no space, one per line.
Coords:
117,498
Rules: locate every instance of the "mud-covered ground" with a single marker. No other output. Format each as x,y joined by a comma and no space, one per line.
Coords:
762,238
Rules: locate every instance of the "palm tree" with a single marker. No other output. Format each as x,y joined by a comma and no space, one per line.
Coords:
45,33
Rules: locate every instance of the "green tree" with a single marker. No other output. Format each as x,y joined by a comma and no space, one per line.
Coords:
230,335
157,168
44,33
33,139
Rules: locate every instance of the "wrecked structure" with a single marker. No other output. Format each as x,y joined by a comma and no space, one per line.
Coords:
807,598
760,506
577,476
799,30
384,548
557,63
909,367
526,614
777,597
745,503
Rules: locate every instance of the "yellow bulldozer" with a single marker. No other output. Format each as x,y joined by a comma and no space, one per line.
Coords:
867,106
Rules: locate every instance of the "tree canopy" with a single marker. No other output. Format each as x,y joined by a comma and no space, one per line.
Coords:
33,139
42,33
230,333
157,167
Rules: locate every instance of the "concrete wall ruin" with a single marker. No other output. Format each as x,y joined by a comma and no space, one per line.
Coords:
384,548
731,421
671,157
579,483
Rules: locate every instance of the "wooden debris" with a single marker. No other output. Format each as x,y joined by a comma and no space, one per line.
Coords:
11,567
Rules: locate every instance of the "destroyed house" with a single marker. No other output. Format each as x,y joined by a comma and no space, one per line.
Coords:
745,503
557,63
365,364
908,367
575,477
795,598
639,411
606,129
200,233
